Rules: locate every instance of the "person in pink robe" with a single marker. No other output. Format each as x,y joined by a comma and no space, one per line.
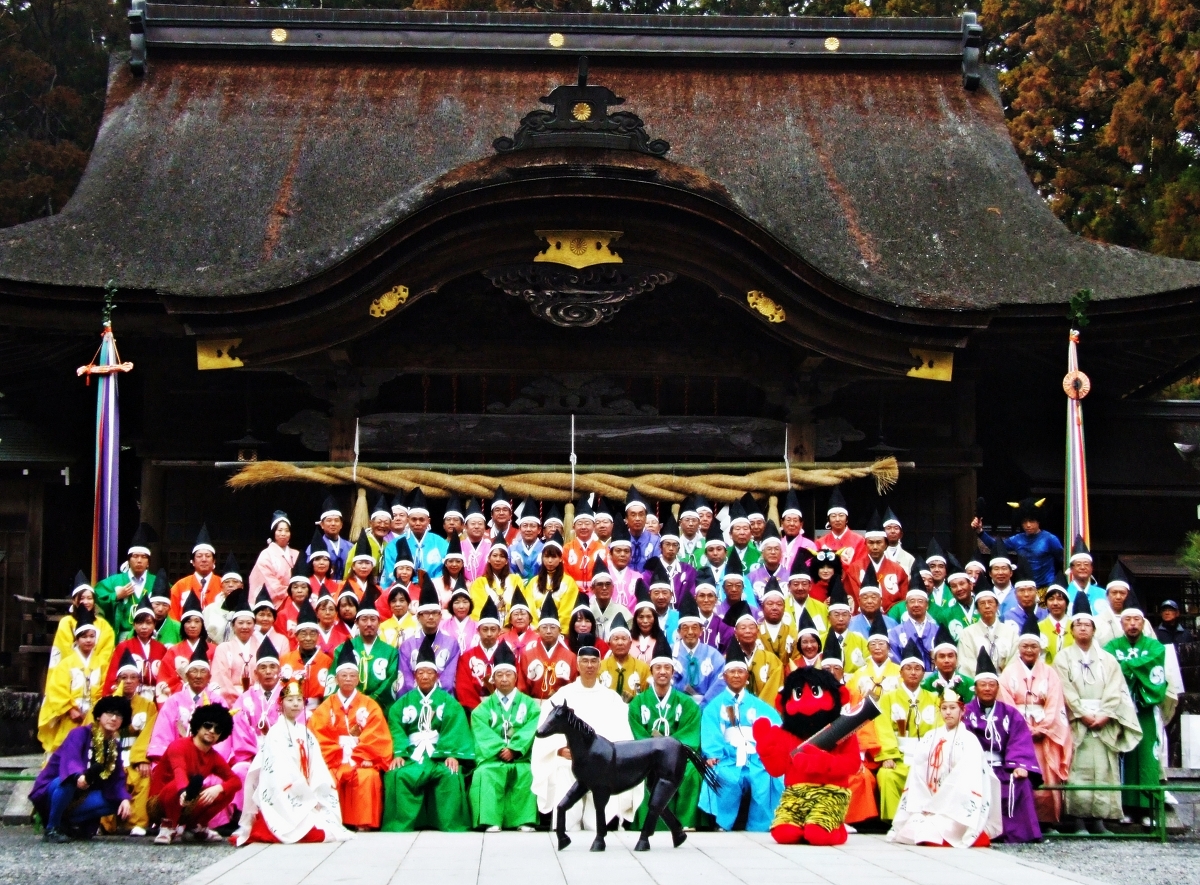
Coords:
273,569
460,626
233,660
1035,689
255,712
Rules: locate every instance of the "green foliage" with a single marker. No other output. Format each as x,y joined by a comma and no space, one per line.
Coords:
1189,555
1077,308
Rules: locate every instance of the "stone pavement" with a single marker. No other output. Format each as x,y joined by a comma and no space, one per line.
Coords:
705,859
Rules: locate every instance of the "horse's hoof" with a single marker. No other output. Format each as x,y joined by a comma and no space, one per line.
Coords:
678,838
642,845
563,842
598,845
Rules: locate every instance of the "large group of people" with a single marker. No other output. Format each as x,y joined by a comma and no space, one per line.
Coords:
396,682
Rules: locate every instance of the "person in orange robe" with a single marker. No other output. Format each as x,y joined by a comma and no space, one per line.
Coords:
204,582
356,743
862,782
1035,688
306,663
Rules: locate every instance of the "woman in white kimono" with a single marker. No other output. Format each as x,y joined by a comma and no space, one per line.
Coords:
289,794
952,796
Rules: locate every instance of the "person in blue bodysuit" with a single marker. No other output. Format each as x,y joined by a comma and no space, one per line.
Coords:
1041,549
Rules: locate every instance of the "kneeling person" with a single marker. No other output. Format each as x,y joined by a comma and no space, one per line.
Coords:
425,788
504,725
179,800
84,779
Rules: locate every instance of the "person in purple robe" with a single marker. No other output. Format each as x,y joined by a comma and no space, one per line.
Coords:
713,630
915,626
1008,746
84,779
445,646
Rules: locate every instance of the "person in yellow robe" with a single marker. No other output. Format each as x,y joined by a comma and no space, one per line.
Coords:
766,670
135,741
908,713
879,674
552,579
73,686
83,597
403,623
620,670
497,582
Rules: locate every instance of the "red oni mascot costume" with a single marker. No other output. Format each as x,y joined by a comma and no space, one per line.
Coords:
816,783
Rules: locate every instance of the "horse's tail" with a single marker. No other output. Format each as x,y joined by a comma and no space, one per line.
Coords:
709,776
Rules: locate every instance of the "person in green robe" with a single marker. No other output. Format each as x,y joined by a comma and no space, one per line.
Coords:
958,612
1143,664
663,711
167,630
504,726
945,674
426,788
119,595
378,662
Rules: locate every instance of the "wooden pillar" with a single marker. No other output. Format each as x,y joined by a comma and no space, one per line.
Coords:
341,432
966,485
153,506
34,538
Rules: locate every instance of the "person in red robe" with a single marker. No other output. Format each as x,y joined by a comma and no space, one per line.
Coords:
847,543
331,632
890,576
170,671
546,665
179,802
520,619
147,652
474,682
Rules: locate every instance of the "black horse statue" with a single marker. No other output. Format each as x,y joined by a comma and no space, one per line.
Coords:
605,767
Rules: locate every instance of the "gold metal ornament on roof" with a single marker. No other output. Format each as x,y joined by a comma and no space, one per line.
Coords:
581,111
1076,385
388,301
770,309
279,35
833,44
578,248
556,40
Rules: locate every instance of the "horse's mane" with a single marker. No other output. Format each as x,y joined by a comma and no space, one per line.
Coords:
575,722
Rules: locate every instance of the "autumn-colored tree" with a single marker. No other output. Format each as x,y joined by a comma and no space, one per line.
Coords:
1104,109
53,67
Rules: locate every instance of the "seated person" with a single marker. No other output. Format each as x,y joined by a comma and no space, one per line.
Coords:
426,787
290,795
179,801
84,779
619,669
356,743
946,674
907,714
1008,747
951,796
727,743
664,711
503,726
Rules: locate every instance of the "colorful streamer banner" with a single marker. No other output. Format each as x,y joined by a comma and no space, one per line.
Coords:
1076,386
106,365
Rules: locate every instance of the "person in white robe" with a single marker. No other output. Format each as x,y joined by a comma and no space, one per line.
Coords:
952,796
288,785
550,760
